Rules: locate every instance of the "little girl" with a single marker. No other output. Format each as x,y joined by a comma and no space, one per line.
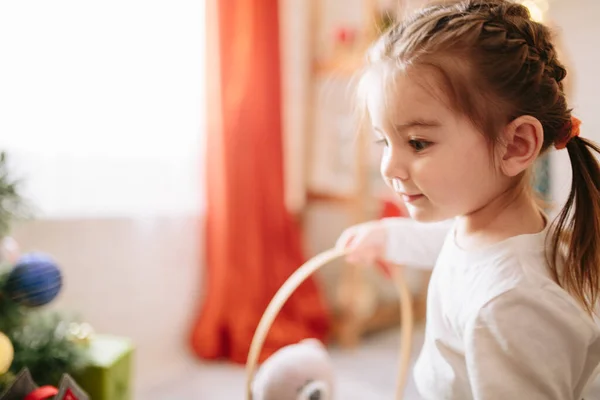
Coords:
464,98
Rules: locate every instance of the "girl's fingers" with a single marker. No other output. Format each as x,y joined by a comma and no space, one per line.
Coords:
384,267
345,240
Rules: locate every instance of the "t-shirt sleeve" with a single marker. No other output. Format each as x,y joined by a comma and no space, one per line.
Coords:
528,345
413,243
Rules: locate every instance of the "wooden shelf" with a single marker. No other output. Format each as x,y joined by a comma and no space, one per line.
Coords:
345,62
323,197
345,68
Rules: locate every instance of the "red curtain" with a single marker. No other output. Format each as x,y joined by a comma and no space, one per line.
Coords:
252,243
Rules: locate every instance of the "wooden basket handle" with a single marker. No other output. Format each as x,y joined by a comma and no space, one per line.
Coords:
295,280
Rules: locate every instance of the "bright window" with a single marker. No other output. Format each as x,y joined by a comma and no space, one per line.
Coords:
102,104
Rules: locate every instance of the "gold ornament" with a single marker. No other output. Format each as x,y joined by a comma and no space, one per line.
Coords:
7,353
81,333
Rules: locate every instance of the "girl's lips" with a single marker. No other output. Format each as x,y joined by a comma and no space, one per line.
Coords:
409,198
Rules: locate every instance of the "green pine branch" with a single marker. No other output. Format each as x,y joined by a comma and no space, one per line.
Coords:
43,345
40,339
12,315
12,205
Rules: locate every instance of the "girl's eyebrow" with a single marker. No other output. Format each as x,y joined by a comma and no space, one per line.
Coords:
418,123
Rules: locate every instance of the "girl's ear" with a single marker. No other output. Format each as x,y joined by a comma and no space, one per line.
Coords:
522,141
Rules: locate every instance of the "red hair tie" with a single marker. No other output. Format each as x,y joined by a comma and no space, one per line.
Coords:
569,131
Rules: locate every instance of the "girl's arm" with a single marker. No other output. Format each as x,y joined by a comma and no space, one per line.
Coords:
414,244
530,344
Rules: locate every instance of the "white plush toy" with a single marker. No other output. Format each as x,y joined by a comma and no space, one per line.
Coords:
301,371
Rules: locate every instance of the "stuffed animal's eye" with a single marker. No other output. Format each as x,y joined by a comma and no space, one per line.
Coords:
314,390
301,388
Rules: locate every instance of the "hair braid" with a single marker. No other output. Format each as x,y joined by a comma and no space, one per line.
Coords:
495,64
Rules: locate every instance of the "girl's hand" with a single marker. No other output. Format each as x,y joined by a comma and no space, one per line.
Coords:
366,243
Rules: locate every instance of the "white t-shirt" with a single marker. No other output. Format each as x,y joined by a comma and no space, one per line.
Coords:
498,327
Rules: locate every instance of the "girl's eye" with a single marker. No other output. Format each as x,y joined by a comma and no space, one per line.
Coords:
419,145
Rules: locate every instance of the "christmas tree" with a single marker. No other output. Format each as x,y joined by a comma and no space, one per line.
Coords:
45,343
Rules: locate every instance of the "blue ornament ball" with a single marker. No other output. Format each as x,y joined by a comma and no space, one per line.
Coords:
34,281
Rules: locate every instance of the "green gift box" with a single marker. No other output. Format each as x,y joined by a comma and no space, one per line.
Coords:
109,375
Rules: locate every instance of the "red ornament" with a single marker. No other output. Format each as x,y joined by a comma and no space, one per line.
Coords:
345,35
24,388
41,393
70,396
390,208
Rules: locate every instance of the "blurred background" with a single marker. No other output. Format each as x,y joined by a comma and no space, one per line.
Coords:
181,159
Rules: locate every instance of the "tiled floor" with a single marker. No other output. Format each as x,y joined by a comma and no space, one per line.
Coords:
365,373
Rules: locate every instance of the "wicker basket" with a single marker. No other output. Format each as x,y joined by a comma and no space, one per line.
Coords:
299,276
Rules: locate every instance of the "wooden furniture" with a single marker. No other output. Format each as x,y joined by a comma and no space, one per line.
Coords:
355,184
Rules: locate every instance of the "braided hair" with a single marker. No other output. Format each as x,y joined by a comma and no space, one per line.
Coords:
495,64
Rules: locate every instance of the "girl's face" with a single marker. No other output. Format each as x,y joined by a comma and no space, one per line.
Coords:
434,158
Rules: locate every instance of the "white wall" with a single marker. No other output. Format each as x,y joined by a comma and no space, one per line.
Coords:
101,112
140,278
578,27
